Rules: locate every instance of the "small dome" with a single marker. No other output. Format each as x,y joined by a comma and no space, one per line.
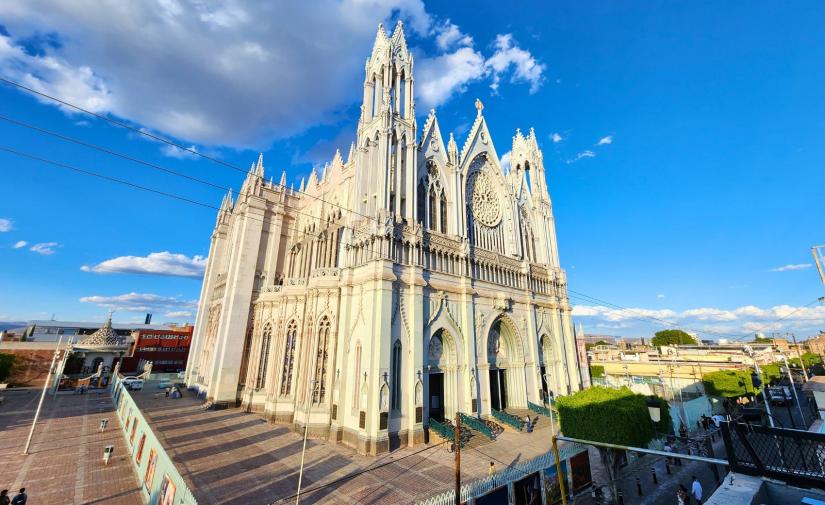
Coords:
104,337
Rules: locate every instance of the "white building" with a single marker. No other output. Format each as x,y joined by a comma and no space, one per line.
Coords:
409,281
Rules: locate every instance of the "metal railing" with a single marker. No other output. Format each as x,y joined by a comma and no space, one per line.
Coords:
476,424
442,430
508,419
793,456
538,409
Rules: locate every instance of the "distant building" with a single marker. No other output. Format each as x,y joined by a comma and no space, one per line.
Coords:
51,331
781,344
167,349
816,344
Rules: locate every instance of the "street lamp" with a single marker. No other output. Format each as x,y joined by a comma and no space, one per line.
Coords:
654,408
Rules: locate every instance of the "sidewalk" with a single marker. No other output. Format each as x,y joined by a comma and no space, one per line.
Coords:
663,492
64,464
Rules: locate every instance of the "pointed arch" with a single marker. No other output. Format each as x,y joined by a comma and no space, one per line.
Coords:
291,336
263,361
319,391
395,376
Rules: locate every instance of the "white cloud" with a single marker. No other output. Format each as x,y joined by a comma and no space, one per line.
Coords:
5,225
179,313
440,77
447,74
584,154
231,79
556,138
45,248
660,296
508,54
177,152
788,268
605,140
505,161
449,35
20,244
736,322
139,302
158,263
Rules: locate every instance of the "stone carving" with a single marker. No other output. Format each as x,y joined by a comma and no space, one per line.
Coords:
501,303
485,201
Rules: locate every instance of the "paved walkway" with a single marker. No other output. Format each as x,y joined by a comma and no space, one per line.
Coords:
663,492
65,463
231,456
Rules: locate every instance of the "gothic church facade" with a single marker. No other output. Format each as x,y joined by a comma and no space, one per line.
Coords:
411,281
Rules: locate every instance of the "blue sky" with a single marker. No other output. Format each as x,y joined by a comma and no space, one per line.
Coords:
682,142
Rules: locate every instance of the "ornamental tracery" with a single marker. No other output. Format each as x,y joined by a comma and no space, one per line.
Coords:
485,202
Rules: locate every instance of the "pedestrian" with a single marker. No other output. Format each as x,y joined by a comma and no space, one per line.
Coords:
4,497
683,432
669,450
21,497
167,392
492,470
682,495
696,490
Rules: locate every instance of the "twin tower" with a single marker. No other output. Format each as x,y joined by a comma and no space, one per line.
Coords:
407,283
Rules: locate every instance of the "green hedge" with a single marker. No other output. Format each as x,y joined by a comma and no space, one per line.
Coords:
617,416
728,383
596,371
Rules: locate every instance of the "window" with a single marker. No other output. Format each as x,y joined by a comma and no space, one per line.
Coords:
421,203
443,211
321,362
356,379
395,390
139,453
264,359
289,358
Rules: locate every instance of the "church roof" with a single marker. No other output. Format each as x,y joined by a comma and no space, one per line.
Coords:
104,337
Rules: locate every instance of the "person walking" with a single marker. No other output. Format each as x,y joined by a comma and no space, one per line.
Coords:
492,470
21,497
4,497
682,495
696,490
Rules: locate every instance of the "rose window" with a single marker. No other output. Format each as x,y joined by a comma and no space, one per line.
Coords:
485,202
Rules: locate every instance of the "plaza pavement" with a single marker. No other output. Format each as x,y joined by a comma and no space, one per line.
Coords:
232,456
65,460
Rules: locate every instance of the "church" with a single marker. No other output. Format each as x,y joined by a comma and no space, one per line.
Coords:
409,281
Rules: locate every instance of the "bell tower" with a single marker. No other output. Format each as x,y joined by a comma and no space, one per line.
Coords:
386,130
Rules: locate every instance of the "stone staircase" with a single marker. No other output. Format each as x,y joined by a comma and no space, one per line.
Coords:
540,423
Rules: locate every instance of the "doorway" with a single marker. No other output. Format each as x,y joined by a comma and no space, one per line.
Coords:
498,389
436,396
544,387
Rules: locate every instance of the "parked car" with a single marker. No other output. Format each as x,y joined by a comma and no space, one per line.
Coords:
134,385
778,396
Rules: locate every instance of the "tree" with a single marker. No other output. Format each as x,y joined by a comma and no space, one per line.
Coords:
671,337
596,371
762,340
600,342
616,416
7,362
729,383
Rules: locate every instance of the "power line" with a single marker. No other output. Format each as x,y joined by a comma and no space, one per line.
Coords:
109,151
145,133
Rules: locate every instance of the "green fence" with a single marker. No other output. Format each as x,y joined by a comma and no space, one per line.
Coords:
508,419
538,409
476,424
442,430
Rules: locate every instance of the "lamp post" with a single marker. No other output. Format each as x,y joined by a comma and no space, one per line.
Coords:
42,395
304,449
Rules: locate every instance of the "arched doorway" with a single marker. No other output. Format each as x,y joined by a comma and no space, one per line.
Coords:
546,360
506,367
440,371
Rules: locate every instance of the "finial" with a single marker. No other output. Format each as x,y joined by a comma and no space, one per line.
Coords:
283,180
479,106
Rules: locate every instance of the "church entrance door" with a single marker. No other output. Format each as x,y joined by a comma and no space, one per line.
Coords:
498,389
436,399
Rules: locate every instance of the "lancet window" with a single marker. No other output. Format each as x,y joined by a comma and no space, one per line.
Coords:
263,362
319,390
289,358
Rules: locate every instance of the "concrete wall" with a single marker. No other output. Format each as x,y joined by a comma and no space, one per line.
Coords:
165,475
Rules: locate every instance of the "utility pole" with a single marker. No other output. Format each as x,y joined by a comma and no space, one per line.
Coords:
62,367
793,388
799,355
749,350
457,436
42,396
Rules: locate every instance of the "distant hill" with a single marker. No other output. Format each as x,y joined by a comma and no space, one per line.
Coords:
8,325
